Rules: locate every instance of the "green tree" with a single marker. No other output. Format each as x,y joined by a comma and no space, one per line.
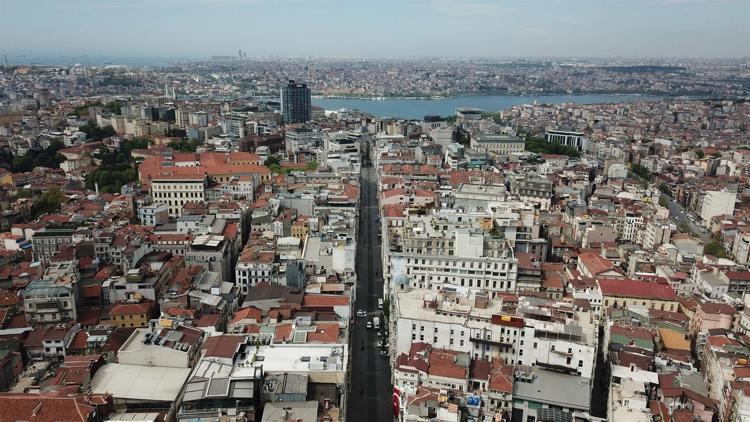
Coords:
95,133
270,161
714,248
700,154
114,107
82,111
664,188
47,157
184,145
313,165
541,146
641,172
49,202
275,168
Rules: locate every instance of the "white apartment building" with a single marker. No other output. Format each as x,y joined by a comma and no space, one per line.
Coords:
176,191
549,335
153,214
448,321
45,301
438,257
255,265
741,248
628,226
716,202
656,233
627,394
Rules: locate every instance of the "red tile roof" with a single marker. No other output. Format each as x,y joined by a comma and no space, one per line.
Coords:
320,300
443,364
636,289
595,263
224,346
718,308
132,308
38,408
501,379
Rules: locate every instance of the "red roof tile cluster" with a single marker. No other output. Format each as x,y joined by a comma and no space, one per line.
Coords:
636,289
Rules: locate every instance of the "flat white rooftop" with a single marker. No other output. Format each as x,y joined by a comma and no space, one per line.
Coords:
294,358
137,382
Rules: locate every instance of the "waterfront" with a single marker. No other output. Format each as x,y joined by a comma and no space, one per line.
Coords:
418,108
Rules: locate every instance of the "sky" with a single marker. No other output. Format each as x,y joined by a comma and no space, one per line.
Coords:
376,28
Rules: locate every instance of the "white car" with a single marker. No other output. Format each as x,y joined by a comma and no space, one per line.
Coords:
369,325
361,313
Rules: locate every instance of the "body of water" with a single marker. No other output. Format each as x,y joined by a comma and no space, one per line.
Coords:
417,109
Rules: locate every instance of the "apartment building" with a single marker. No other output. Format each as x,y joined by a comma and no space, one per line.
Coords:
48,302
439,257
176,191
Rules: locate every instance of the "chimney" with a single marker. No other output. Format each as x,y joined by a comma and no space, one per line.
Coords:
481,300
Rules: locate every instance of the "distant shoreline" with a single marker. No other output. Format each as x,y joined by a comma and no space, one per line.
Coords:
474,94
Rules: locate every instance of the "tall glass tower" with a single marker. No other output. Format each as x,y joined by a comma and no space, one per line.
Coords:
296,102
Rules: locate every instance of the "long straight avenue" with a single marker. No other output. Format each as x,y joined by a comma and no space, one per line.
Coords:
370,380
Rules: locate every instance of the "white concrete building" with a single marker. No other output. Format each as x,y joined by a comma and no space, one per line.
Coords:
153,214
715,203
176,191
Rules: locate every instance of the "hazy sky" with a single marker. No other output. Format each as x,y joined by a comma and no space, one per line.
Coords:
377,28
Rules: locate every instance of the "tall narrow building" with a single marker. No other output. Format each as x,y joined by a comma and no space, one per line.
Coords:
296,102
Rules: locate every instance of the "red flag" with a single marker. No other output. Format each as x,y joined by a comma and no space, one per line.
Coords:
396,401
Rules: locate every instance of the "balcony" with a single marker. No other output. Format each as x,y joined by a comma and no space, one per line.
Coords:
490,342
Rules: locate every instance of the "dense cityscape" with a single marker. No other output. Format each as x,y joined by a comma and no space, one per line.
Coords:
332,211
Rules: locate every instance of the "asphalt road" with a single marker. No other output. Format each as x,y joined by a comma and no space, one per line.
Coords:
371,392
680,217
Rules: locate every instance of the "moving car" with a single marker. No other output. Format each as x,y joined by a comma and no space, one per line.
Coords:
361,313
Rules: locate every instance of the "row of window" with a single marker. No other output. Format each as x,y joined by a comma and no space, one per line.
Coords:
172,194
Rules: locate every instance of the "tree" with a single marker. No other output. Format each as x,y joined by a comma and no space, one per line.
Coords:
114,107
641,172
95,133
48,203
664,188
313,165
270,161
462,137
700,154
714,248
275,168
184,145
47,157
82,111
112,177
541,146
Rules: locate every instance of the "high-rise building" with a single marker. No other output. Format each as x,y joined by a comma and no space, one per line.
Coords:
296,102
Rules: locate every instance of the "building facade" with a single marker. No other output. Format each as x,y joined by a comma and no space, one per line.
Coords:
296,102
